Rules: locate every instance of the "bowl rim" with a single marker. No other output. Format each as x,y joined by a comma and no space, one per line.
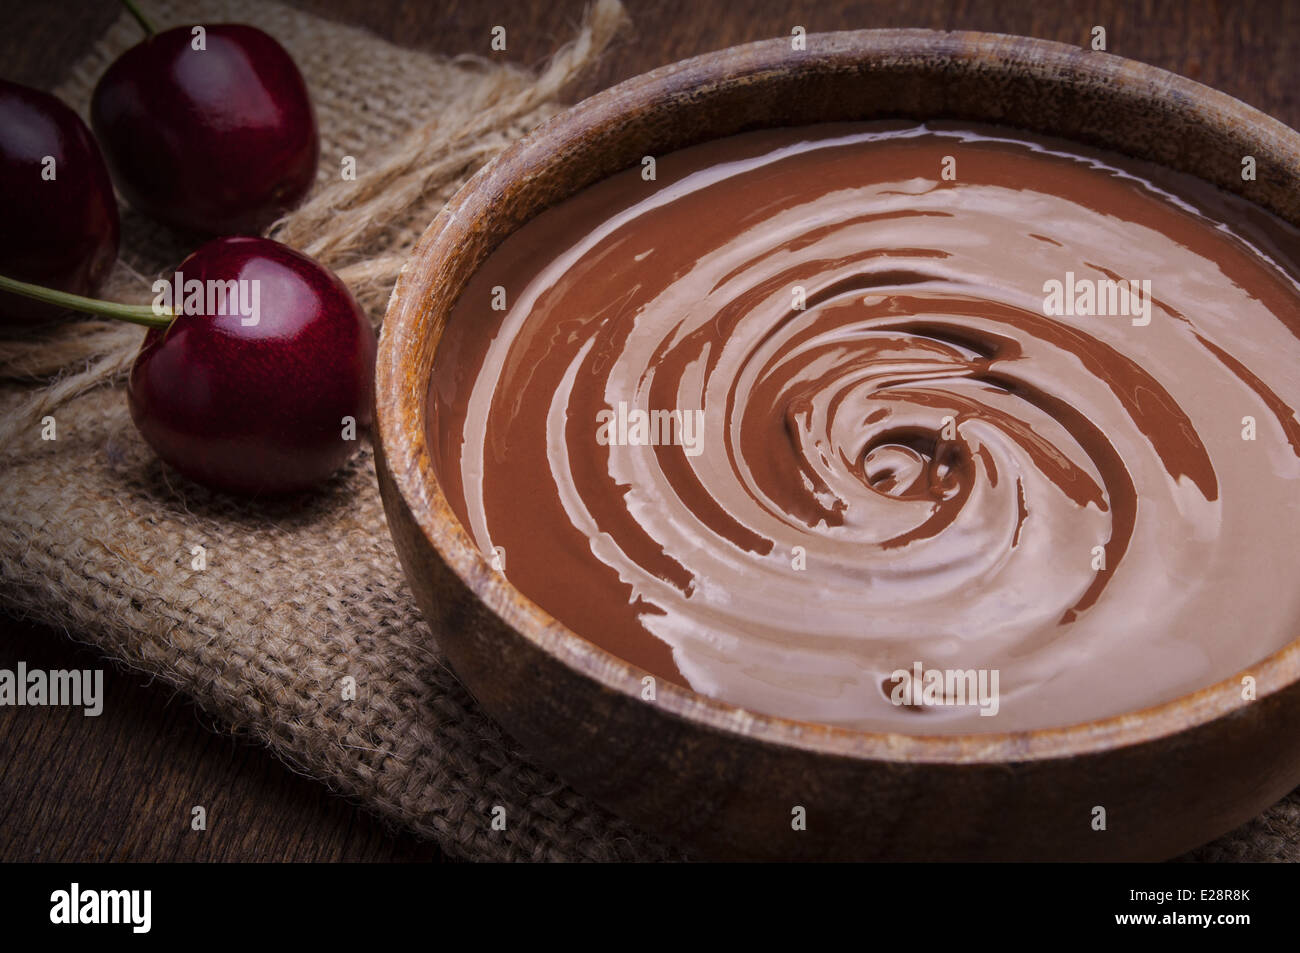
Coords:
401,414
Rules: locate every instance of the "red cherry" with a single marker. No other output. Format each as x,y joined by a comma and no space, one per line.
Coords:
61,232
257,409
219,140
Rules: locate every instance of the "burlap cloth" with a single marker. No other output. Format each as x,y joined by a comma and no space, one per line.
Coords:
96,535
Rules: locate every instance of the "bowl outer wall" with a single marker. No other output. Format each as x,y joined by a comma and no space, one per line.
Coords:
723,780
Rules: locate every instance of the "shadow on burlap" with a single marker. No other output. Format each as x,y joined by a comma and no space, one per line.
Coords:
96,536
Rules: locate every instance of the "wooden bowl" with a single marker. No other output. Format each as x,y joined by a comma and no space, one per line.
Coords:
725,781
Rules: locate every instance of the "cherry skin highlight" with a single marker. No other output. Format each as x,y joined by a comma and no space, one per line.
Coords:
257,409
61,231
219,140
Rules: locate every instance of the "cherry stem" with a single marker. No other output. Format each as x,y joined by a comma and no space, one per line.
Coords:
140,18
135,313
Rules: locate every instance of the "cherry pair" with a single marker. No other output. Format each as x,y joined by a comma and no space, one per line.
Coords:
209,129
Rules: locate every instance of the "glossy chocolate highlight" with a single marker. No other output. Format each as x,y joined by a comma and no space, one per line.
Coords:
905,453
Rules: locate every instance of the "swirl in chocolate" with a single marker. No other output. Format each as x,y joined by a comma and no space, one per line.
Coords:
820,406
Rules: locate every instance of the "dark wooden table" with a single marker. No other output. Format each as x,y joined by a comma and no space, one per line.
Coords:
120,786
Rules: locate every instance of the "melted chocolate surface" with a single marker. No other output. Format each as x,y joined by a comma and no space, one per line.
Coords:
804,412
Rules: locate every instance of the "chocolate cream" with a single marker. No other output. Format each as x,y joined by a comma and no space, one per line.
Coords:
818,411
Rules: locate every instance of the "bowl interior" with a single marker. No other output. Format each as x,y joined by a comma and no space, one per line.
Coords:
1043,87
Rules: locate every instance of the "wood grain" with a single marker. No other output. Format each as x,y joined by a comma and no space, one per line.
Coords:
121,786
